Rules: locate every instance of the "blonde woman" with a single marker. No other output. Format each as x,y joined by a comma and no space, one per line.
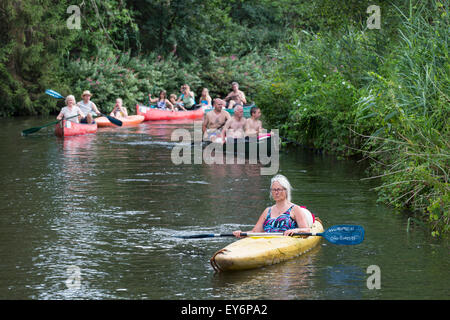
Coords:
205,99
284,216
119,110
71,110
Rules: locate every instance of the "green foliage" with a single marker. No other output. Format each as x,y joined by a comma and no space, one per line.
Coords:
353,93
217,73
311,94
109,76
33,41
188,29
409,108
105,23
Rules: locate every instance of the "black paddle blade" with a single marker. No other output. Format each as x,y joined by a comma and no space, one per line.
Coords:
196,236
36,129
113,120
207,235
30,131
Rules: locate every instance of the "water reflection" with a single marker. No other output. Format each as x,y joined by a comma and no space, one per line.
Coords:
345,282
163,129
109,203
233,170
292,279
77,164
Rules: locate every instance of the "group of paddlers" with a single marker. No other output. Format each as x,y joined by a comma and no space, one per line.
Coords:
186,100
85,110
218,124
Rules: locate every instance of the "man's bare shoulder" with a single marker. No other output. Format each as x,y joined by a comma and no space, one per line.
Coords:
231,120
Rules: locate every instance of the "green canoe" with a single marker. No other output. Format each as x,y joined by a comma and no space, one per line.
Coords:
231,111
247,147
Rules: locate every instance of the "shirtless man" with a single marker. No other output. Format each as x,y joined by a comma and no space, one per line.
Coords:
253,126
236,96
214,121
234,128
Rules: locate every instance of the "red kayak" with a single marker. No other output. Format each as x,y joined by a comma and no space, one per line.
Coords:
152,114
126,121
66,128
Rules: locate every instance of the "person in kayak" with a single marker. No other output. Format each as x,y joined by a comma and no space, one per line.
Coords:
70,110
162,102
235,97
88,107
205,99
214,121
187,97
284,216
234,128
176,105
119,110
253,126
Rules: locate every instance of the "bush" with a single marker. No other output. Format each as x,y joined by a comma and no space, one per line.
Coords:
311,95
109,76
217,73
409,108
336,92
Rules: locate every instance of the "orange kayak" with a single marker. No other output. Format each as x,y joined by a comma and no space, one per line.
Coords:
152,114
126,121
66,128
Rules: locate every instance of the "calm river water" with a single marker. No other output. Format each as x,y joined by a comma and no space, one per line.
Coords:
108,204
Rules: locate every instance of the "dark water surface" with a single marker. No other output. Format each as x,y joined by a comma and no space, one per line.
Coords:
108,204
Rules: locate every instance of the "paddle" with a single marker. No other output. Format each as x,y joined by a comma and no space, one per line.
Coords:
56,95
339,234
35,129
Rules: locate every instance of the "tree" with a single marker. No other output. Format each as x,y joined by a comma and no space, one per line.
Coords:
33,41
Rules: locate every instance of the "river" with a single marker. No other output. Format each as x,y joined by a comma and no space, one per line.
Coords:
102,210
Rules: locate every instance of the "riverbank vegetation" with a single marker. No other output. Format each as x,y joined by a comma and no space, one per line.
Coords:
316,70
382,94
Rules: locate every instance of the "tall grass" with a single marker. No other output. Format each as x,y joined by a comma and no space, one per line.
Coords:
411,102
352,94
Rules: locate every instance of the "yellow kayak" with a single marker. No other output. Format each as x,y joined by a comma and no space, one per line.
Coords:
258,251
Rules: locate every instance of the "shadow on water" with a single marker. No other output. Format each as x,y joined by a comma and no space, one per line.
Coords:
293,279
